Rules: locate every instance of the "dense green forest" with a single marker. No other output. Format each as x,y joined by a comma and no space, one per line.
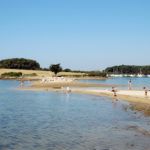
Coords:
128,69
19,63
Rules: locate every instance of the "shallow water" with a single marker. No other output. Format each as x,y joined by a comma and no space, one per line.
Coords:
137,83
56,121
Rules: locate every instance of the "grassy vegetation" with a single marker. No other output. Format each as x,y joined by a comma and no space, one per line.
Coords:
30,75
96,74
80,73
71,74
41,73
31,68
11,74
37,74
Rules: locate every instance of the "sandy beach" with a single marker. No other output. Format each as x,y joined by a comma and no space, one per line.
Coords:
136,96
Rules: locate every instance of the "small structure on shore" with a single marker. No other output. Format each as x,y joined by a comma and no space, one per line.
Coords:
56,79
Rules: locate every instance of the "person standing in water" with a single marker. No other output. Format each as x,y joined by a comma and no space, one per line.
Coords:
68,90
145,90
130,84
114,90
21,83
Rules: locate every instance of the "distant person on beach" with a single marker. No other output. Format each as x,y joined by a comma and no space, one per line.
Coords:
68,90
114,90
145,90
130,84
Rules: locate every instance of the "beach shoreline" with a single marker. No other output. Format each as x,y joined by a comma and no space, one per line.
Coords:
133,96
136,103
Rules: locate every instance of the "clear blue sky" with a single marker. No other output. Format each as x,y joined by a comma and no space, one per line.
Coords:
79,34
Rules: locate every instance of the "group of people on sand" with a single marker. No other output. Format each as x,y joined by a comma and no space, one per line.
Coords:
144,88
114,89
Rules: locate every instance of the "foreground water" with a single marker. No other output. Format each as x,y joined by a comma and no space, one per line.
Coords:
56,121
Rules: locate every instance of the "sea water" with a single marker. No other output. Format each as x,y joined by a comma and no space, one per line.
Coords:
34,120
137,82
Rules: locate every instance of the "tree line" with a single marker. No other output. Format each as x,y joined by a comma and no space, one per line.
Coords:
19,63
29,64
128,69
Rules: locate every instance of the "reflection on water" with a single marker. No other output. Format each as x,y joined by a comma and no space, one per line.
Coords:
58,121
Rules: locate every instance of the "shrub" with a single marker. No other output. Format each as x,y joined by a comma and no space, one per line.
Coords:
97,74
11,74
67,70
30,75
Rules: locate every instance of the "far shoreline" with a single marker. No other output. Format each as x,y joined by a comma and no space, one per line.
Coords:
39,78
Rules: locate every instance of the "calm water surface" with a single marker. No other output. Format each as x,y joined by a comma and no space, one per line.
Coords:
136,82
56,121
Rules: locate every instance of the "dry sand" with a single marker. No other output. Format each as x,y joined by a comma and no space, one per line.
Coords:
130,96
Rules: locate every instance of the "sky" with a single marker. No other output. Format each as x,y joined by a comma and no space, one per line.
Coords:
79,34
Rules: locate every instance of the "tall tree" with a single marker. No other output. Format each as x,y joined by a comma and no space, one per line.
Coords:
55,68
